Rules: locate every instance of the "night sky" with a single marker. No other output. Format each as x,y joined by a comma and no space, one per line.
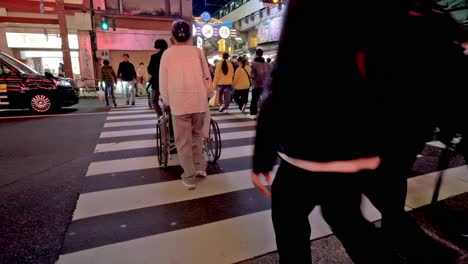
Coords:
211,6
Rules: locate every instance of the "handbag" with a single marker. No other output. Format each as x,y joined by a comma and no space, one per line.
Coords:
101,95
214,100
207,81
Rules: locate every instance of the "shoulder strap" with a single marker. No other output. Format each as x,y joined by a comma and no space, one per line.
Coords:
248,76
201,63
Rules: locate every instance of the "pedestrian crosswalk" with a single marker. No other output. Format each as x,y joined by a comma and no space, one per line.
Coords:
132,211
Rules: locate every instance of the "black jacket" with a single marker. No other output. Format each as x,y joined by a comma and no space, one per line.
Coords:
126,71
332,112
153,69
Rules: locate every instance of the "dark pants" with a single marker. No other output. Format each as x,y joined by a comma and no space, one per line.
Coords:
109,91
256,93
295,192
149,94
241,97
387,191
225,92
155,101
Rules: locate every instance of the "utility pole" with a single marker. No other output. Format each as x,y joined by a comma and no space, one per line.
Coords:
60,7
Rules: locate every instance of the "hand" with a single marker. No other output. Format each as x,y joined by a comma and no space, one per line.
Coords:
258,184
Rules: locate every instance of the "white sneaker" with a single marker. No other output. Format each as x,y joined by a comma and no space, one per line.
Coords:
252,116
189,182
200,174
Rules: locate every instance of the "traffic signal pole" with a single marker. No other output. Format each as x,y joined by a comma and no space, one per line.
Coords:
60,7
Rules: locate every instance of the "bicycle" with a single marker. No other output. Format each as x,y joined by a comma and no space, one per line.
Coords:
165,145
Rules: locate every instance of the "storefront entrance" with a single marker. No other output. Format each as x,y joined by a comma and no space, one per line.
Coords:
43,52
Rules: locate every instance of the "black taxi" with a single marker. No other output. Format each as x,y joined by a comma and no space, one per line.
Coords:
23,87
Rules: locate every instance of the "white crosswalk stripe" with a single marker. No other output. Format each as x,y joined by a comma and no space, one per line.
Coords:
149,131
124,199
126,194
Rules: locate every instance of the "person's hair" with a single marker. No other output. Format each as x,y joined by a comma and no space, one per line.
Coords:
259,52
224,66
268,59
243,61
181,30
141,63
106,62
125,54
160,44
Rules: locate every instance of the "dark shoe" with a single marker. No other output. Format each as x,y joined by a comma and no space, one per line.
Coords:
133,103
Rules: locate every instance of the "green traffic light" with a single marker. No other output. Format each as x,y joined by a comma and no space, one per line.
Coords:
104,23
105,26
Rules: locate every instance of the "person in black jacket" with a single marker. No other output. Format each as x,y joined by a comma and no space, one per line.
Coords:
127,75
332,145
424,52
358,131
153,69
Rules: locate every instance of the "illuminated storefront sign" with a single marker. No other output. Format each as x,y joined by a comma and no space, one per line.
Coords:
206,17
207,31
37,40
199,42
224,32
270,29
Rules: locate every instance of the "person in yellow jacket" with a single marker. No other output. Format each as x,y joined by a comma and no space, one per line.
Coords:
224,74
242,84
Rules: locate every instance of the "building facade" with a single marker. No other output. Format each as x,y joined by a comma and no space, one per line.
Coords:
34,31
258,25
134,26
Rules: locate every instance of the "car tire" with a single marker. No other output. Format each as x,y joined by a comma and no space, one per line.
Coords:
41,103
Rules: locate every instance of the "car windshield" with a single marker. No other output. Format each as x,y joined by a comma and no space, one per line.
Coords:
17,65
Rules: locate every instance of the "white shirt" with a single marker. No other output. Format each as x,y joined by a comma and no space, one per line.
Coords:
181,81
343,166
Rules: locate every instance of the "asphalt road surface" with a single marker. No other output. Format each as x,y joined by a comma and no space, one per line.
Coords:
42,162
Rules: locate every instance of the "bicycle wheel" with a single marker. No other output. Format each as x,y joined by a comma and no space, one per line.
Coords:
212,144
162,143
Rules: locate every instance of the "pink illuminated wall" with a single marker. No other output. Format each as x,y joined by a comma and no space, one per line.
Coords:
99,3
126,40
149,7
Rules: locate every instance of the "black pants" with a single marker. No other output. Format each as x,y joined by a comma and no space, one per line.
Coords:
155,102
387,189
241,97
295,192
256,93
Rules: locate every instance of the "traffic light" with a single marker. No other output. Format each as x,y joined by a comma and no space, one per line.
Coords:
104,23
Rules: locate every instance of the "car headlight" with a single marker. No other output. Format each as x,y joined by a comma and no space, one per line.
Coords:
62,83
